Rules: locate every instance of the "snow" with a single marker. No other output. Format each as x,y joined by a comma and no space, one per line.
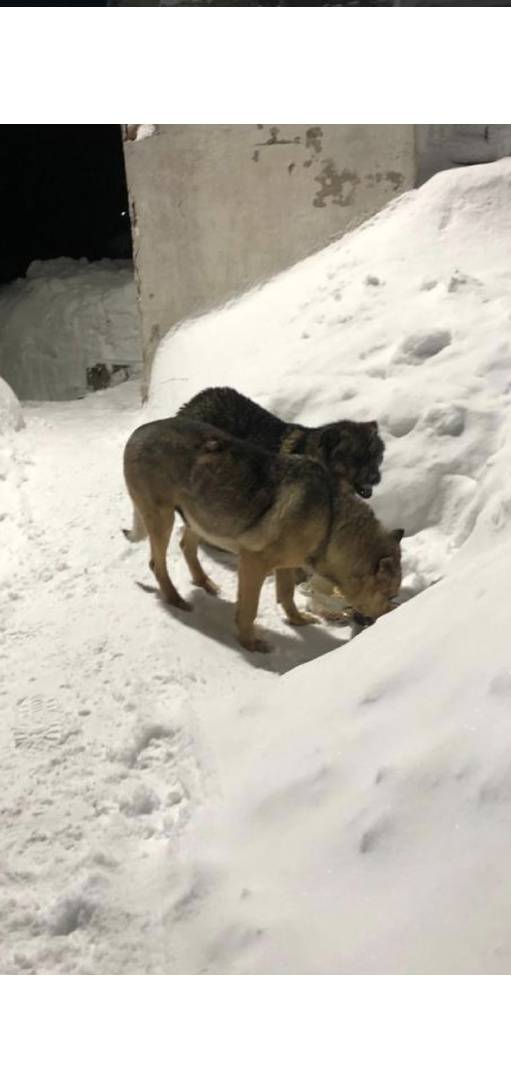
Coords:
364,829
11,416
172,804
61,321
11,421
144,131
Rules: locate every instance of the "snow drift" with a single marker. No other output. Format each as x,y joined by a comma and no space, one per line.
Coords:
11,416
406,320
360,816
11,421
69,326
363,818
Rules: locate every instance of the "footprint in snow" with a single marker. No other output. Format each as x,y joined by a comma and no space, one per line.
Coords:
141,801
500,685
374,835
419,347
150,735
75,909
446,419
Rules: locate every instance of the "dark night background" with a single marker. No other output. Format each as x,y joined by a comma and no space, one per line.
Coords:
305,3
288,3
63,191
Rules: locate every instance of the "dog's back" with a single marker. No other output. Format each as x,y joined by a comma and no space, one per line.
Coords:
231,411
350,449
229,484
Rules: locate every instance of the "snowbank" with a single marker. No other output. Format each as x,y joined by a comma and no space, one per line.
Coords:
11,416
69,326
363,823
406,320
360,815
11,421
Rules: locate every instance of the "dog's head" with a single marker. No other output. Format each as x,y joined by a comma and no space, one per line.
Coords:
371,592
354,452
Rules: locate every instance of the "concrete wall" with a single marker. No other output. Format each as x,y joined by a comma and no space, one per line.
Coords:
218,209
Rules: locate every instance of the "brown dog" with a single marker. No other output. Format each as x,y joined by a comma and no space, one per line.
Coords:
276,511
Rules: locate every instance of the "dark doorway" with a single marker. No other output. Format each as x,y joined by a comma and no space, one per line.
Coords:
63,191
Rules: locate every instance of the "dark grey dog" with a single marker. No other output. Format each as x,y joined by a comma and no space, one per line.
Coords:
351,450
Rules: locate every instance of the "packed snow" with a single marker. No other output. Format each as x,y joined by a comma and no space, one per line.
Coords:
11,415
68,324
172,804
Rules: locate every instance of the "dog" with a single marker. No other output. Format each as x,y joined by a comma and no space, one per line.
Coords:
353,451
350,449
275,511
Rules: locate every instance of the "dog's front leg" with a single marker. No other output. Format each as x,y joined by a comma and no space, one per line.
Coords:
251,574
285,587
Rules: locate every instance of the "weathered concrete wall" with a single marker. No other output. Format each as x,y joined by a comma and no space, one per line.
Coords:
218,209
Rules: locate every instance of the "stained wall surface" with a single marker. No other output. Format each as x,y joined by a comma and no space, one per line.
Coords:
217,209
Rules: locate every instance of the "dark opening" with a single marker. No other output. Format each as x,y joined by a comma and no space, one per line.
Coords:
63,191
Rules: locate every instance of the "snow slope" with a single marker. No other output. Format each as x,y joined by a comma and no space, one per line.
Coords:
168,803
363,823
104,697
64,318
11,421
406,320
11,417
365,800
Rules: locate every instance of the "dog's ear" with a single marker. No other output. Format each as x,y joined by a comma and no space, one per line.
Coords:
376,443
328,439
335,440
385,568
397,534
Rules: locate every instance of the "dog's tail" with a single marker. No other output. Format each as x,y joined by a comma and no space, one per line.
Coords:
138,530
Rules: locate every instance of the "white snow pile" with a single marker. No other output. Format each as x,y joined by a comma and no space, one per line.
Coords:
11,416
359,815
62,321
144,131
11,421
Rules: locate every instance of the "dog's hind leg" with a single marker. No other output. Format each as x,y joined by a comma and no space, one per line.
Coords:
189,543
251,574
285,587
159,520
138,530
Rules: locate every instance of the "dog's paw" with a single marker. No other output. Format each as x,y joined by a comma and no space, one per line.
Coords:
209,585
257,645
301,618
177,601
184,605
